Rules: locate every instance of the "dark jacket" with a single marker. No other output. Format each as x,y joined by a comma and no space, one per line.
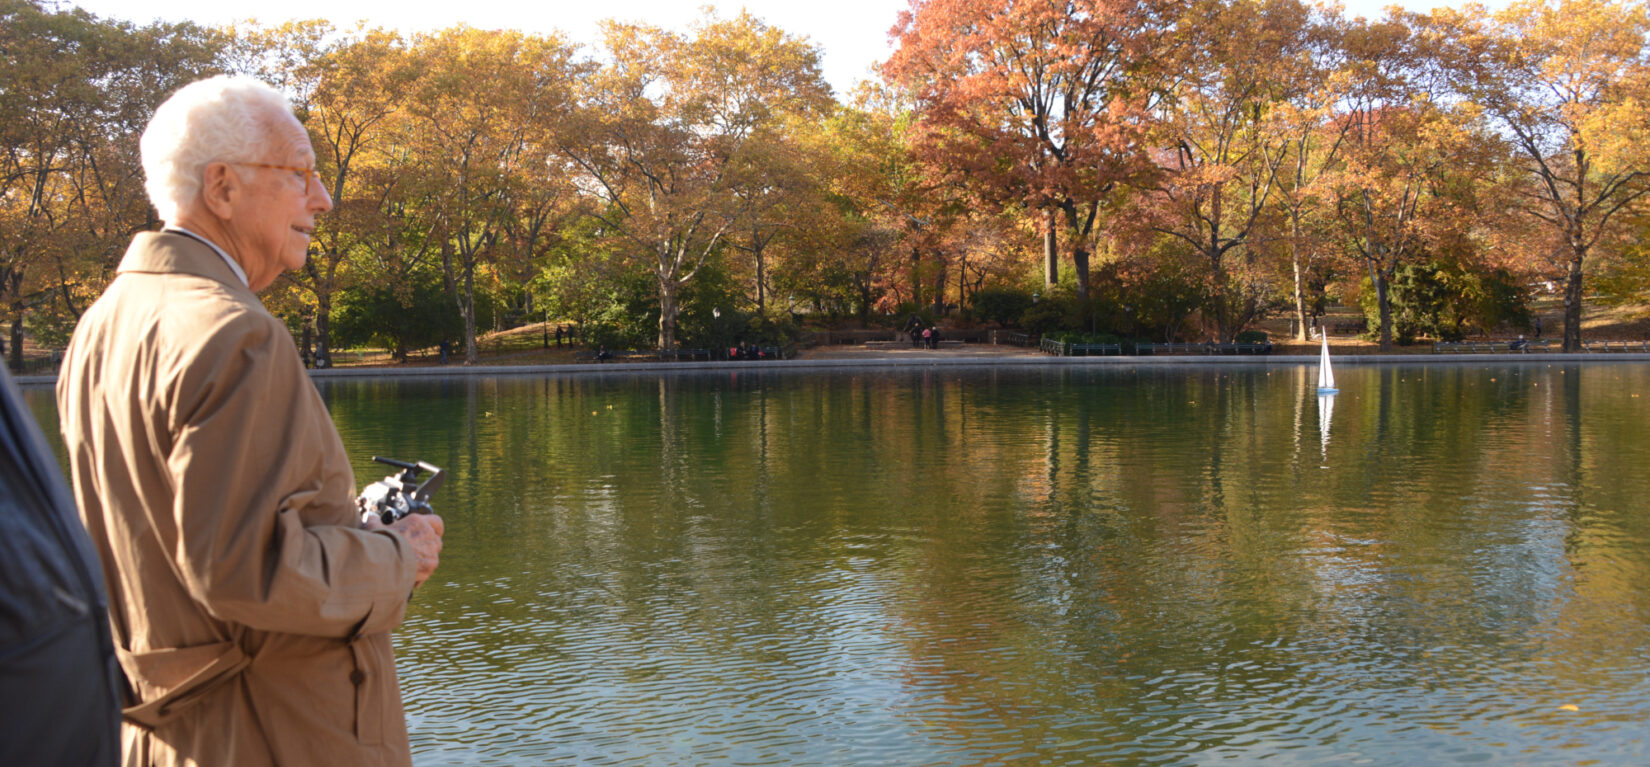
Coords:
59,685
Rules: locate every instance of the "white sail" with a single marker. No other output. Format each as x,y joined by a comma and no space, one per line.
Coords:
1326,376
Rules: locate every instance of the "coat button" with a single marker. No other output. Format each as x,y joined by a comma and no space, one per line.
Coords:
357,677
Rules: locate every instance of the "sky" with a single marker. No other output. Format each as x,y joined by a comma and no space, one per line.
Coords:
852,33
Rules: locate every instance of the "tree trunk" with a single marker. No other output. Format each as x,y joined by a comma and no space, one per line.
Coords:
16,349
1572,301
1080,231
916,276
1051,253
1300,278
668,310
467,308
1223,311
1378,277
323,329
939,292
1080,262
757,247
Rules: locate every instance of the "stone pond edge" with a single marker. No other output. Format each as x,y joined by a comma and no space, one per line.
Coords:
864,363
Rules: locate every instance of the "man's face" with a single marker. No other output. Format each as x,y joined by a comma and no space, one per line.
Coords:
274,219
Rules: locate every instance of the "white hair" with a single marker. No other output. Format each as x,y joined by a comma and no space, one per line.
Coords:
220,119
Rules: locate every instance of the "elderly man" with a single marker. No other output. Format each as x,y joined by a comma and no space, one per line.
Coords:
250,608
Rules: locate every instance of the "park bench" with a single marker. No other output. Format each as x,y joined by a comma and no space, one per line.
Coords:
615,355
677,355
1203,348
1243,348
1175,347
1616,346
1089,350
1491,347
767,353
1074,349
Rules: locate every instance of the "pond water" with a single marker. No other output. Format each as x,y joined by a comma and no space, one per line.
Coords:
1443,564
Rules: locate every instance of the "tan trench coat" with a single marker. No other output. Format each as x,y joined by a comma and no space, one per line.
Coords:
252,613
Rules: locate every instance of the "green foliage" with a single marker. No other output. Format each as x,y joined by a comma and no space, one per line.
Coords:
1443,299
1146,298
1501,300
626,313
1002,305
1052,313
712,292
622,312
830,288
1251,337
903,313
412,315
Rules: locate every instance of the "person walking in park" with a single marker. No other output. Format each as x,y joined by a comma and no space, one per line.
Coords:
251,608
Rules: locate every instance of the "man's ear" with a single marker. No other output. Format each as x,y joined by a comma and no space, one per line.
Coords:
219,187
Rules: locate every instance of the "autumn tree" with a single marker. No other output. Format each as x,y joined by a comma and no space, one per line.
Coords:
77,92
761,86
1568,81
348,88
1040,105
1410,157
1224,136
868,180
474,117
1316,139
667,129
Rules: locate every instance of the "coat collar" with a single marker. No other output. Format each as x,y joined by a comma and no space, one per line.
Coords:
171,253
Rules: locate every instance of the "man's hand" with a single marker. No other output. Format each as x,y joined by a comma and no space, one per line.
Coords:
424,532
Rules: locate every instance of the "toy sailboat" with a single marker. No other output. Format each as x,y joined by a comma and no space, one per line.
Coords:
1326,376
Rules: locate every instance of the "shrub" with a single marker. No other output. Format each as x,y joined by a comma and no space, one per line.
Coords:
1004,306
412,314
1441,299
1049,315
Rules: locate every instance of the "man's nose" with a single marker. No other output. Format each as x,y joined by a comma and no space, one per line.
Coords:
319,200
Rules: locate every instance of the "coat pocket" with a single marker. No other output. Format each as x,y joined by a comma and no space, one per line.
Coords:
368,680
169,681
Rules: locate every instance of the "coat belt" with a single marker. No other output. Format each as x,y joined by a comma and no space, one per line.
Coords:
178,678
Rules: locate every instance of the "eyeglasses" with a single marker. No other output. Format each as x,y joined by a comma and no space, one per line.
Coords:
307,174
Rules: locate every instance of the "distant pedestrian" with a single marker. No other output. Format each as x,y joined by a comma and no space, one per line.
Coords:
1538,326
444,347
558,335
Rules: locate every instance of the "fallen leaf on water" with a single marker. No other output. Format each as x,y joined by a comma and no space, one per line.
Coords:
1569,707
